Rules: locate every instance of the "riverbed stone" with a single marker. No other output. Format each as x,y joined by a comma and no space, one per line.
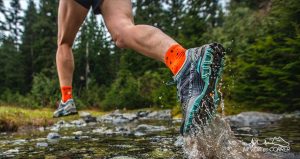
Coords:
295,114
99,130
138,133
19,142
179,141
55,128
149,128
42,144
123,157
79,123
117,118
162,115
87,117
123,130
247,130
253,119
78,133
53,136
142,114
11,151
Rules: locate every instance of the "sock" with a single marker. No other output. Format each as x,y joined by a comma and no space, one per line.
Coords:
175,58
66,93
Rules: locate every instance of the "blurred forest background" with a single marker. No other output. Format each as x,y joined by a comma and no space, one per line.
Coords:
262,71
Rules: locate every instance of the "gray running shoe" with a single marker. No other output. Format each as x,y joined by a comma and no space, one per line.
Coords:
65,109
197,83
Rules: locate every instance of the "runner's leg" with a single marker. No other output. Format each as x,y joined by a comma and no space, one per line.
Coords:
70,17
145,39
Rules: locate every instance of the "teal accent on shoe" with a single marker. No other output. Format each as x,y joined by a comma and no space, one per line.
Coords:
205,74
198,66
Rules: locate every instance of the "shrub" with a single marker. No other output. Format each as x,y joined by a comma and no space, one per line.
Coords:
123,93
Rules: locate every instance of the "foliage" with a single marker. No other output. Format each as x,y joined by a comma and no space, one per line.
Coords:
262,38
124,93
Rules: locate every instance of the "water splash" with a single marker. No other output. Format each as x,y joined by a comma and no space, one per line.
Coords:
216,140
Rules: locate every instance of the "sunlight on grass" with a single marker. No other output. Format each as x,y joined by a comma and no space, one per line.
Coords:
11,118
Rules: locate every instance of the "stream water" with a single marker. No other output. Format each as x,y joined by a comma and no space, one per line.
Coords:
148,138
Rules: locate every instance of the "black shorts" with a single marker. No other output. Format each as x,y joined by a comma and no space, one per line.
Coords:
95,4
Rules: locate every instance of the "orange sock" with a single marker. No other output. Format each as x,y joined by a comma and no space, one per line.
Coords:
66,93
175,58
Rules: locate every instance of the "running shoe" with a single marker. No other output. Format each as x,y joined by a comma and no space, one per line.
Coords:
65,109
197,85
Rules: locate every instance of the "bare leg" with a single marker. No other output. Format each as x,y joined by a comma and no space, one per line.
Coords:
70,17
147,40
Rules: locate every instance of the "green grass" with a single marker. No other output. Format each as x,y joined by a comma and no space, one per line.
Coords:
12,118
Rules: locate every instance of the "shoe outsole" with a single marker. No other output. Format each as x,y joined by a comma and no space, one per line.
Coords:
213,58
68,114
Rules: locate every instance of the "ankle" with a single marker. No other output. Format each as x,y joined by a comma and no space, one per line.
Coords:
175,58
66,92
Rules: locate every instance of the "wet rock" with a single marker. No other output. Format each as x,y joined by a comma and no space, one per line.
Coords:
142,114
123,157
78,123
55,128
42,144
295,114
247,130
253,119
130,116
61,122
87,117
53,136
11,152
108,132
137,133
149,128
163,114
99,130
78,133
179,141
104,131
123,130
118,118
19,142
76,137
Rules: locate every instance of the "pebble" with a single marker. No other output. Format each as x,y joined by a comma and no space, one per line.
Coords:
149,128
87,117
42,144
123,157
11,151
53,136
179,141
19,142
78,133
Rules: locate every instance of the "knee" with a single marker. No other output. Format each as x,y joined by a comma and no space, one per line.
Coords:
63,42
119,36
64,49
